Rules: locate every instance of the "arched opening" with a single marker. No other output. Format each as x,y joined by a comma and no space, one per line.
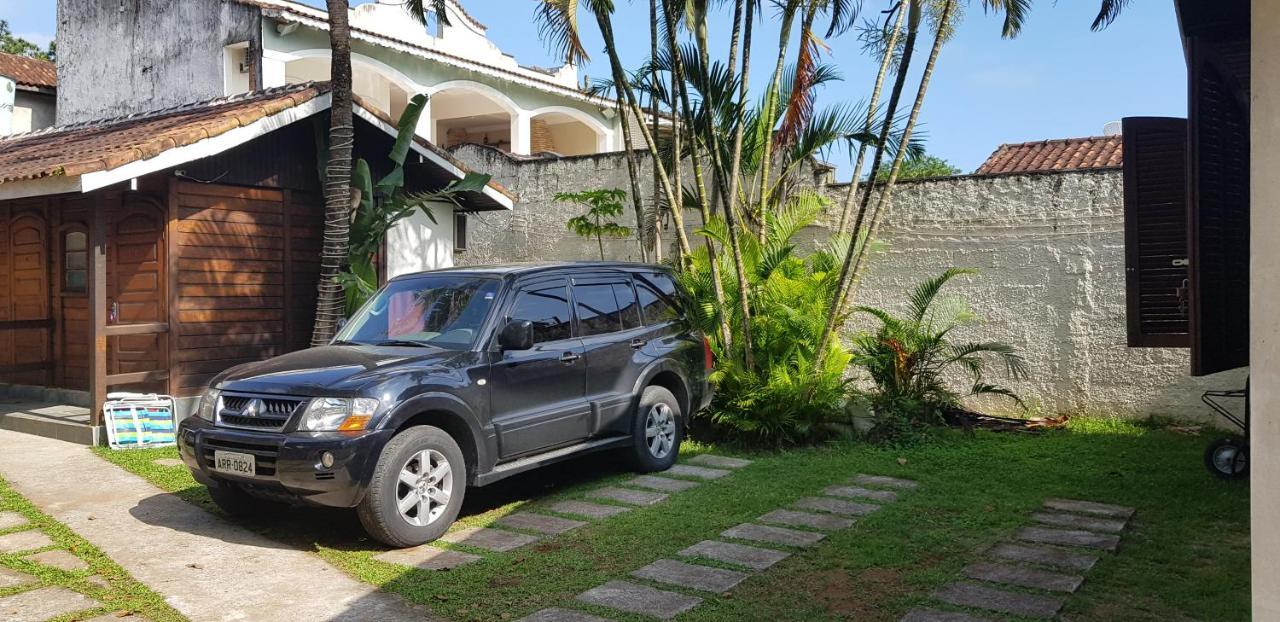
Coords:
563,134
373,86
466,114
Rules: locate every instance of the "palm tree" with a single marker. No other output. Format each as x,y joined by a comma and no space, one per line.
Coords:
1108,12
773,93
338,199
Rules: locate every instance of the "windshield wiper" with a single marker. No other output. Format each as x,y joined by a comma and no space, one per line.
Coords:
404,342
344,342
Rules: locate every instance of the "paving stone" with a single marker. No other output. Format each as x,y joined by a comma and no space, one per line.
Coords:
427,557
856,492
1023,576
665,484
1069,537
793,518
704,578
751,557
541,523
98,581
1045,556
589,510
1089,507
885,481
934,615
719,462
489,539
1076,521
835,506
991,599
121,616
24,541
624,495
773,535
13,578
9,520
555,614
632,598
169,462
42,604
696,471
60,559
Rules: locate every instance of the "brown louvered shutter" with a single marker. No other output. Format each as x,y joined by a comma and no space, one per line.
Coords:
1155,231
1219,236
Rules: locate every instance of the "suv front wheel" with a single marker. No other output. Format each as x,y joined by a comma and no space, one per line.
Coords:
416,489
656,432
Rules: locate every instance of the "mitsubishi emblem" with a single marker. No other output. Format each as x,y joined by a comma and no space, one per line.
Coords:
254,408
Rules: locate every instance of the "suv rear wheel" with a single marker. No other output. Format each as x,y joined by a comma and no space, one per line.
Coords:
657,432
416,489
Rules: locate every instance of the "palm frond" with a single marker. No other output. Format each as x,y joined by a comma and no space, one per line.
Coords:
1108,12
558,27
922,296
1015,14
418,10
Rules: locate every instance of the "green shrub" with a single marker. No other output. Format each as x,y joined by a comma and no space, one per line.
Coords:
911,358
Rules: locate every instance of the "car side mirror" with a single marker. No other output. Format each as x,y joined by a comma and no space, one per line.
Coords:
516,335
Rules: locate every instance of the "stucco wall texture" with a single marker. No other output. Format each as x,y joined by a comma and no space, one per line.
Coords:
1049,247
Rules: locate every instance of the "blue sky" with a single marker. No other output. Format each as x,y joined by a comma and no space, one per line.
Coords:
1057,80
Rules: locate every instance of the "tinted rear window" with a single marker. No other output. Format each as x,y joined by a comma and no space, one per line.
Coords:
598,309
657,292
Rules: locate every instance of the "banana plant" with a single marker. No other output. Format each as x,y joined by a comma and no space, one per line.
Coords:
386,202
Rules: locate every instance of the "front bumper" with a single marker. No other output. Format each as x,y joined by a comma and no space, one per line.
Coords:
288,465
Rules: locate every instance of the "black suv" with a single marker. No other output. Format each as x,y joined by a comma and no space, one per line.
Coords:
456,378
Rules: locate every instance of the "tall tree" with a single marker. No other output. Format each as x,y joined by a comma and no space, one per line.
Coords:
339,202
773,95
13,44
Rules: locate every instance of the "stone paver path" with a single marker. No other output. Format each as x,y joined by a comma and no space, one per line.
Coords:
60,559
129,520
42,604
541,523
691,576
495,540
933,615
1049,560
628,597
13,578
664,484
20,541
633,598
698,472
885,481
627,495
556,614
719,462
427,557
589,510
9,520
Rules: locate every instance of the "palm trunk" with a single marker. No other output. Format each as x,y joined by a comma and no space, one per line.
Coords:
337,179
854,259
619,78
680,89
771,97
886,193
633,172
885,62
653,110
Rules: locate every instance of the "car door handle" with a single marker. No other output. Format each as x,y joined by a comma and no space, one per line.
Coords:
569,357
636,344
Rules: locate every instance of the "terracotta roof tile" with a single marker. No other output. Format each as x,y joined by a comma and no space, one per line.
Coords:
29,71
110,143
1055,155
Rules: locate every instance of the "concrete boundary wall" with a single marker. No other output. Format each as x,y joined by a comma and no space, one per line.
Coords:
1050,248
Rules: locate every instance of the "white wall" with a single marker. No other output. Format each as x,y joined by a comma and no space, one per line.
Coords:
1264,289
416,244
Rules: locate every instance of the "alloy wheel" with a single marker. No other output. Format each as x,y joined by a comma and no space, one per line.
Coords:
424,489
660,430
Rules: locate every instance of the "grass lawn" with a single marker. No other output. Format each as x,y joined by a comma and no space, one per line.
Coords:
1185,555
121,594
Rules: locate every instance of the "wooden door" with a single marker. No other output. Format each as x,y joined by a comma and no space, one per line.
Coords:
24,312
136,287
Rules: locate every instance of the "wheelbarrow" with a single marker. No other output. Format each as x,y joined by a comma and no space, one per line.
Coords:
1228,457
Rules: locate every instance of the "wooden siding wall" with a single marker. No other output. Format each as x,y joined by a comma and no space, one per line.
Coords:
247,266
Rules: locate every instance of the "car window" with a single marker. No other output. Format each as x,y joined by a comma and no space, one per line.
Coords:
598,311
548,309
629,309
438,310
656,292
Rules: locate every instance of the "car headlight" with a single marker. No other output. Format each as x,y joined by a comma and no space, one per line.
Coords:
208,404
327,414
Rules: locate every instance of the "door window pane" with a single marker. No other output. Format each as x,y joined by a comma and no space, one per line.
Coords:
75,262
548,309
598,311
629,308
657,308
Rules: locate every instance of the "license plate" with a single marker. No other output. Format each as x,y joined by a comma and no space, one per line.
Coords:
234,463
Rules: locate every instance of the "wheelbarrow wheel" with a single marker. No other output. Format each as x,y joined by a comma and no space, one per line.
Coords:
1228,458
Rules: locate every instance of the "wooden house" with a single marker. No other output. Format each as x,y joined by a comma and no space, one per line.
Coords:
149,253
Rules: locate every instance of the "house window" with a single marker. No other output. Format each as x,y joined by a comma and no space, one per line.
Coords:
75,262
459,232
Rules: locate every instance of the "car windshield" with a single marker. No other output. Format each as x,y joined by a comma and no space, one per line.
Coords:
443,311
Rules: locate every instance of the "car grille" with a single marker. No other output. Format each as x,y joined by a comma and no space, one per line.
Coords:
264,454
270,414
